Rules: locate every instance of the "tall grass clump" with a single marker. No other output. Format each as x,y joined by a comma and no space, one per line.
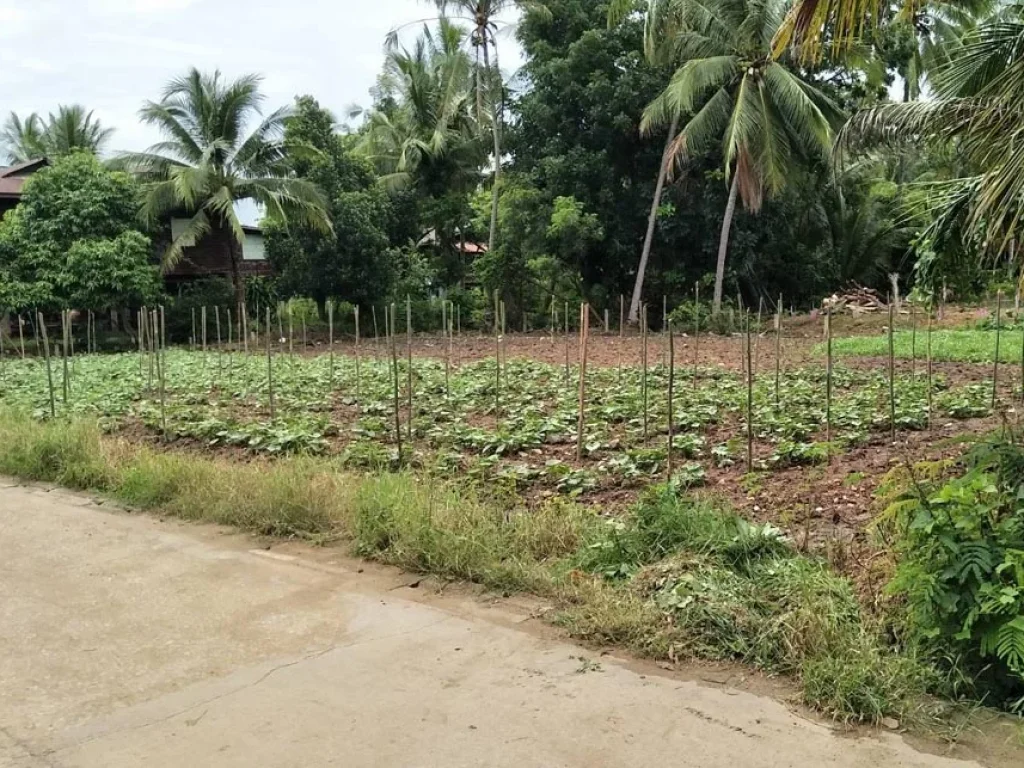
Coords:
734,590
69,454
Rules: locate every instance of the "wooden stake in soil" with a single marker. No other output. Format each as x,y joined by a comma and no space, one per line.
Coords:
161,337
227,313
330,341
750,398
192,338
757,333
408,351
581,420
394,370
567,344
21,335
828,382
606,322
671,388
446,335
41,324
203,323
995,364
35,334
643,364
696,332
291,328
243,322
359,378
376,334
270,370
778,350
892,376
65,317
497,356
913,341
622,315
928,354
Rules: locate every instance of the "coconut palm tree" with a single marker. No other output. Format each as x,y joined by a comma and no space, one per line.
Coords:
207,163
423,132
70,128
764,116
978,109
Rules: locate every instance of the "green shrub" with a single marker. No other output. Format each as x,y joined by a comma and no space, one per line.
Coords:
960,544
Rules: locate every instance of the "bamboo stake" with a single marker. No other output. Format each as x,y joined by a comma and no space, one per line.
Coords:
757,333
408,351
291,328
750,398
892,376
64,352
41,324
21,334
192,338
359,378
448,349
671,388
497,356
394,369
203,322
243,321
567,344
35,334
581,420
828,382
305,343
778,350
330,341
622,315
999,329
227,313
696,332
270,370
376,336
928,353
606,327
161,340
913,340
643,364
220,351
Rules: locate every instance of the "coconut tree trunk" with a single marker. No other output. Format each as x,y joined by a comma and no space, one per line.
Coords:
496,132
723,244
652,220
235,256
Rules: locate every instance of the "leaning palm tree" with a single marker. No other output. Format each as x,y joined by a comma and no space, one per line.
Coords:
207,163
70,129
764,116
663,44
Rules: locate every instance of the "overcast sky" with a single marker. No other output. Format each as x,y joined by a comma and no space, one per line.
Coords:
111,55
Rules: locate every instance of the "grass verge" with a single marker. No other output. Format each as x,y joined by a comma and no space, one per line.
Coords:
678,577
967,346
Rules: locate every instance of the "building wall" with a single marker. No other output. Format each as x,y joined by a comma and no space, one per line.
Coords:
212,256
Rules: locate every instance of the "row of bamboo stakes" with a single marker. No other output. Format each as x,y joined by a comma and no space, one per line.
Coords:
151,324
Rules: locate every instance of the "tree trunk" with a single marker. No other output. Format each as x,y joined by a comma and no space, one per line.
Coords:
723,245
496,131
652,220
235,256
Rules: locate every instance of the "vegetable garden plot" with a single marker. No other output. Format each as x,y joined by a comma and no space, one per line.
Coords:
344,406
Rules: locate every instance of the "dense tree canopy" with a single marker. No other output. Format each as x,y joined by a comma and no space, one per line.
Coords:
355,260
73,242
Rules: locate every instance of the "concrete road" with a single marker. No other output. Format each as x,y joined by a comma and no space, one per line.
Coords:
130,641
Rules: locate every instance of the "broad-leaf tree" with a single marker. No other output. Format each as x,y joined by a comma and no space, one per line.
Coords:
208,162
736,96
71,128
73,242
353,261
